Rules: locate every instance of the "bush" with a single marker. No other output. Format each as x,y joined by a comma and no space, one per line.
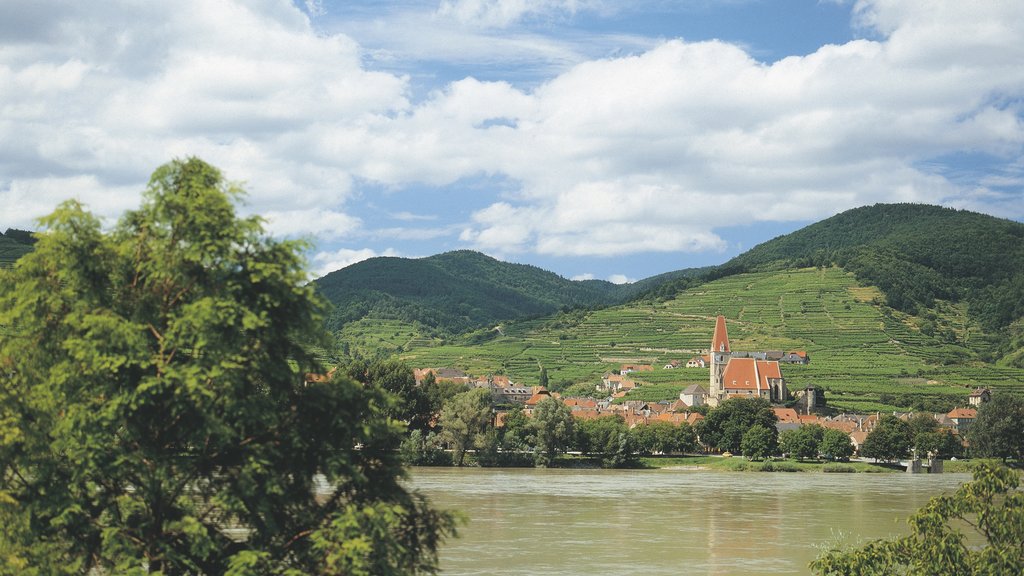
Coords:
838,468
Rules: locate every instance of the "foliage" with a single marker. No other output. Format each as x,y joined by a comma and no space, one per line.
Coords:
465,421
724,426
998,430
760,442
915,254
803,442
409,403
552,426
664,438
419,449
991,506
835,445
607,437
454,292
889,441
152,399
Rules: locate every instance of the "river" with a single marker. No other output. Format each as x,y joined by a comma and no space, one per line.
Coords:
646,522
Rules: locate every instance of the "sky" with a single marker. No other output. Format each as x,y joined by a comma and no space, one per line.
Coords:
593,138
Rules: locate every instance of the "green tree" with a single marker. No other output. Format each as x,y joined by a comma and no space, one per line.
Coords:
552,425
724,426
409,402
664,437
940,444
922,426
889,441
607,437
152,398
465,420
835,445
998,430
516,434
543,379
759,442
991,507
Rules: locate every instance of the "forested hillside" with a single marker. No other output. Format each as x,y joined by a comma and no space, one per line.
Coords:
916,254
14,244
454,291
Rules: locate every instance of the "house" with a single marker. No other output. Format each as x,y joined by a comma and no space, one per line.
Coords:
672,365
796,357
979,397
962,418
786,415
697,362
627,368
857,438
693,395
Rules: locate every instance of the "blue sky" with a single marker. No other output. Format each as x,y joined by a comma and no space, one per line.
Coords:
596,139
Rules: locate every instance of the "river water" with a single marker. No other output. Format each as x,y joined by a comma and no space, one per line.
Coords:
646,522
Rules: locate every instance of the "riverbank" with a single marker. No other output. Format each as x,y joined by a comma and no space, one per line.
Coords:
738,464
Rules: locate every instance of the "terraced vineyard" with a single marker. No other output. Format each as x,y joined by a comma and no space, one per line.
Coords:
866,356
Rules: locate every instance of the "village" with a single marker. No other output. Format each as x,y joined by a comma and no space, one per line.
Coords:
731,374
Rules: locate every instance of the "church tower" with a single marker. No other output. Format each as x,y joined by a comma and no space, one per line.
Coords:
719,358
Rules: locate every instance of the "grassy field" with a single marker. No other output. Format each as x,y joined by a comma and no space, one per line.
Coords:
866,356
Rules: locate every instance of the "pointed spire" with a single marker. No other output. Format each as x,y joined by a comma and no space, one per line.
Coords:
720,343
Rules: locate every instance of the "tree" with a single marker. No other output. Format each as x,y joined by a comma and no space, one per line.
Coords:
998,429
802,443
760,442
921,426
664,437
835,445
409,402
543,379
939,444
723,427
609,438
889,441
152,398
465,420
991,506
552,426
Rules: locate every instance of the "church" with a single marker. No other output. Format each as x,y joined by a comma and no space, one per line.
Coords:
742,374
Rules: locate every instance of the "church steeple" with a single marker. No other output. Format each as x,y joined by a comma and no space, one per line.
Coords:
720,342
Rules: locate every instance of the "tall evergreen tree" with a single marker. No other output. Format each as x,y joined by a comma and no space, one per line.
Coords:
152,403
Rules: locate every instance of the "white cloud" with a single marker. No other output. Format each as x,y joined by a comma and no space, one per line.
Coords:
325,262
620,279
503,13
648,152
584,276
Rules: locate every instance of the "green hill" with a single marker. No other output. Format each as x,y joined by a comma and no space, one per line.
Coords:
866,355
456,291
916,254
13,245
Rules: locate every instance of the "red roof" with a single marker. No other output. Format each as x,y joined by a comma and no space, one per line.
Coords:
749,374
720,342
963,414
786,415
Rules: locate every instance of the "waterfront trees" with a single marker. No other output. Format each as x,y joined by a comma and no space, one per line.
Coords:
152,397
552,426
889,441
723,428
465,420
998,430
835,445
759,442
